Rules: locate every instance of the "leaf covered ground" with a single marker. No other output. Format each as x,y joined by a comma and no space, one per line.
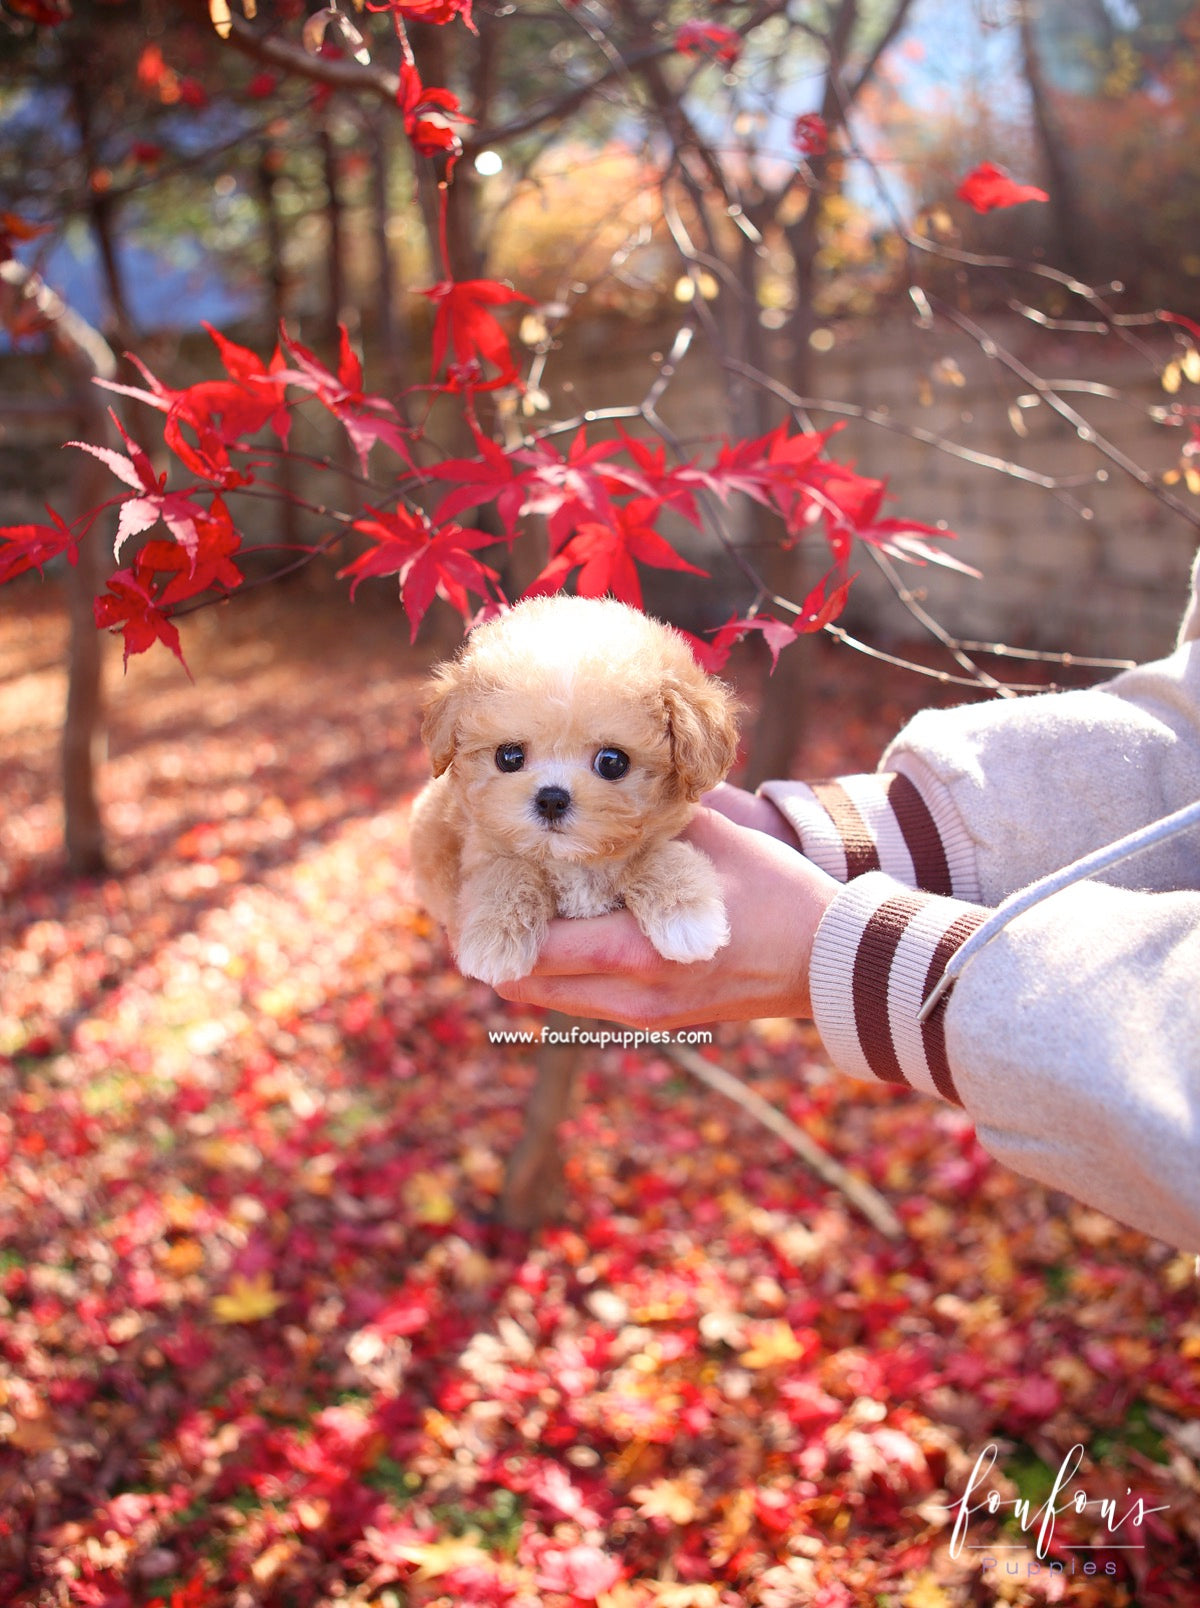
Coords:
261,1341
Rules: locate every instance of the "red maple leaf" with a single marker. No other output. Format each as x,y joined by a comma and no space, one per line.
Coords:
607,556
820,606
221,412
815,613
429,117
851,503
211,566
848,501
777,634
775,469
905,539
462,325
709,39
493,476
128,607
435,11
810,135
153,502
566,491
563,490
792,465
42,13
365,419
430,563
988,186
259,386
677,486
33,546
13,228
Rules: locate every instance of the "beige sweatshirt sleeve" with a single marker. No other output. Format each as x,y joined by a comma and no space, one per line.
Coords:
1073,1039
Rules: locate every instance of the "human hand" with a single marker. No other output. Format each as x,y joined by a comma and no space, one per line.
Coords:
605,967
748,809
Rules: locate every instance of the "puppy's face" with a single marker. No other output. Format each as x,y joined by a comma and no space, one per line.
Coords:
577,730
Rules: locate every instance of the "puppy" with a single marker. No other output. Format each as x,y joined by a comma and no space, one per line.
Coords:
570,740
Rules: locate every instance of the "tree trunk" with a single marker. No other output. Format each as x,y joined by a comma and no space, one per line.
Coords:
777,731
1067,223
533,1183
335,242
269,161
83,726
101,210
391,328
87,355
338,313
448,210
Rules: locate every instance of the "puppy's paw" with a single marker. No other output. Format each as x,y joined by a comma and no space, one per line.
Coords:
496,954
676,899
688,932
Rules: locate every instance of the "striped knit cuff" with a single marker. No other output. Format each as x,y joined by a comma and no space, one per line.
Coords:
881,822
878,953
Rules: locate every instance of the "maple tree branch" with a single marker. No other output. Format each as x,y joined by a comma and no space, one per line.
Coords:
947,678
954,648
81,341
196,605
1086,431
358,77
884,43
325,466
554,111
804,405
332,72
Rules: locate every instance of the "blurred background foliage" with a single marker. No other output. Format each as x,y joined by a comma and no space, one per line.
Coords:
178,178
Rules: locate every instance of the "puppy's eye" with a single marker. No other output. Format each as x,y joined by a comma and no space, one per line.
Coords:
510,757
611,764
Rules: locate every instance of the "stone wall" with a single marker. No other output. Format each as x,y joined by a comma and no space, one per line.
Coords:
1098,566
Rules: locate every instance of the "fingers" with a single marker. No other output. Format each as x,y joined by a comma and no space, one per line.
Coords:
589,997
611,944
605,967
748,809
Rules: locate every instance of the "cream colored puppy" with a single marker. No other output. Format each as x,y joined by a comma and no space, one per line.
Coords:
570,740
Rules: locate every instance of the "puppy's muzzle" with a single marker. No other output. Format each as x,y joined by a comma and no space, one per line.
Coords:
552,803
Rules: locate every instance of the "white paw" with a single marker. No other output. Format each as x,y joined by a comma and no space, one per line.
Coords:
495,955
689,932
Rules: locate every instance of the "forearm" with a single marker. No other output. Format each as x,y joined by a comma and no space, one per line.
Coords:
1070,1040
1041,781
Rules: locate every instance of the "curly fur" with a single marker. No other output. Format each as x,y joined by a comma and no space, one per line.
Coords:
566,677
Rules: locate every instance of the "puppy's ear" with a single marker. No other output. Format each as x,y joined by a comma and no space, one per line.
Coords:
703,731
443,703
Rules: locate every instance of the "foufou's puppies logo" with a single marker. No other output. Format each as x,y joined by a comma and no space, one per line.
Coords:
1123,1523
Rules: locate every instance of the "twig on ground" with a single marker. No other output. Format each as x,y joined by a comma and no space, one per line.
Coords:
861,1195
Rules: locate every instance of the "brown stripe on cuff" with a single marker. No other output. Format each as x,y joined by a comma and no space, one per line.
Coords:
921,836
859,845
933,1028
869,984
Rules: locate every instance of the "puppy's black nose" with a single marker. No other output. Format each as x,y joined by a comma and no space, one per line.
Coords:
552,803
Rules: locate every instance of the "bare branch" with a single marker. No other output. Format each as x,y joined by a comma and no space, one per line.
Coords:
864,1197
333,72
